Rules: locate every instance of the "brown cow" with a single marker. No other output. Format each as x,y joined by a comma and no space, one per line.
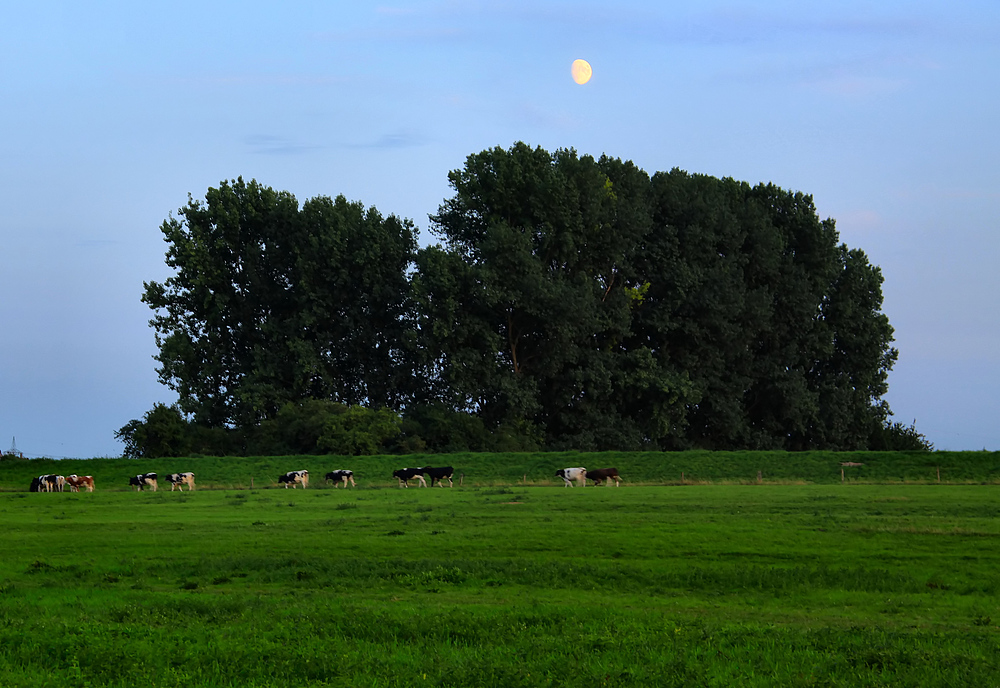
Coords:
606,474
75,482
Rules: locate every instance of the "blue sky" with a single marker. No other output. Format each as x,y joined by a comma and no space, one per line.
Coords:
111,113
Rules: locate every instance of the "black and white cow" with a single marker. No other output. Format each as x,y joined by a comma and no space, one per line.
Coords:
439,475
341,476
179,480
36,484
607,474
571,475
50,483
294,478
404,475
142,481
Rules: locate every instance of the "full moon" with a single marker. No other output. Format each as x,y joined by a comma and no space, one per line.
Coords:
581,71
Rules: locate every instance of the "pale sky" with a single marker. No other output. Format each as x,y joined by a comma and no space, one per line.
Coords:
112,112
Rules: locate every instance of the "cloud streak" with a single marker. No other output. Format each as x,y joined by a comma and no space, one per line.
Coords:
393,141
265,144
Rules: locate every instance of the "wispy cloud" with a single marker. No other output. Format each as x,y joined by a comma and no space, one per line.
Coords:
265,144
856,86
671,23
399,139
262,79
391,34
532,115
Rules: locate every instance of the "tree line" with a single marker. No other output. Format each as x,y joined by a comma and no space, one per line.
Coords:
570,303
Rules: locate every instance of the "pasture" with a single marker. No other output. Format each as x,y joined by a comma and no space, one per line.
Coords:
694,585
538,468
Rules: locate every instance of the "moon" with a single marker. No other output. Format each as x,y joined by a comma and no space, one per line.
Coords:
581,71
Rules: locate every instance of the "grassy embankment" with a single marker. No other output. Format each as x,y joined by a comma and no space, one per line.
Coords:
638,468
859,585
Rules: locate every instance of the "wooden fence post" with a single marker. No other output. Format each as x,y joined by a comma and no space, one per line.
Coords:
841,475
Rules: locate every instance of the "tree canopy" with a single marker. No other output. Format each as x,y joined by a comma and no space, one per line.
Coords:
271,304
572,303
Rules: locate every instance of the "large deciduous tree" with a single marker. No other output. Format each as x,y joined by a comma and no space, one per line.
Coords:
270,304
778,326
528,303
610,310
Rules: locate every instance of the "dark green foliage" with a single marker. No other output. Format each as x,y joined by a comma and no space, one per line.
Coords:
162,432
313,426
530,301
778,328
271,304
574,304
359,431
435,428
611,311
889,436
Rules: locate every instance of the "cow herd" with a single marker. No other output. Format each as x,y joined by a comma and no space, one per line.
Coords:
57,483
177,481
344,476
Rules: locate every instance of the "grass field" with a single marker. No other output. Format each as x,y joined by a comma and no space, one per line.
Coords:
695,585
538,468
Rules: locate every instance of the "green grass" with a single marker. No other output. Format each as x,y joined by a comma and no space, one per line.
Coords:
637,468
715,585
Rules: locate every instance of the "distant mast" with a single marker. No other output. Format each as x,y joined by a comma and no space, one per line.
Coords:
13,448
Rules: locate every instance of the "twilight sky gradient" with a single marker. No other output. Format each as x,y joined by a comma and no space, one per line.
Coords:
111,112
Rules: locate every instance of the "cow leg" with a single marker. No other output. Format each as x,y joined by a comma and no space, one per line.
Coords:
423,483
451,483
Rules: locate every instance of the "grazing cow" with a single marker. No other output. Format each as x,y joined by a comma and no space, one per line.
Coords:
36,484
142,481
404,475
439,474
75,482
179,480
341,476
51,483
295,477
571,475
606,474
